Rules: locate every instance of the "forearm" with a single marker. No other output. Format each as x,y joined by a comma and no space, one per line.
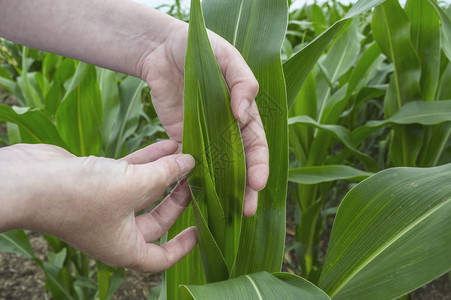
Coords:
13,200
114,34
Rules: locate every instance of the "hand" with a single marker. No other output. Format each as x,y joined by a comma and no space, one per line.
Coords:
90,202
163,71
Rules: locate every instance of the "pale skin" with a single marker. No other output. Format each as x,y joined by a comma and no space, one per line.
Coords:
90,202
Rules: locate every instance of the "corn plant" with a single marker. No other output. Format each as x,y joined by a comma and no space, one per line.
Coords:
335,96
48,89
390,236
211,255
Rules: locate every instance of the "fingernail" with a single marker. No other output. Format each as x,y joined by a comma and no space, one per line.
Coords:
243,111
186,163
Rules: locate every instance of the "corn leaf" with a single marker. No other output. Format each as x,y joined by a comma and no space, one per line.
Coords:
417,112
110,103
320,174
341,56
391,30
425,34
17,242
130,91
256,286
446,29
212,136
341,133
257,29
387,228
79,116
34,125
297,68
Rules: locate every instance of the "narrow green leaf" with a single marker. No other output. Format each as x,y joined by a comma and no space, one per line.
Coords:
446,29
220,140
341,56
387,228
256,286
319,174
130,91
54,283
341,133
417,112
35,126
391,30
110,102
425,32
257,29
79,117
16,241
297,68
368,59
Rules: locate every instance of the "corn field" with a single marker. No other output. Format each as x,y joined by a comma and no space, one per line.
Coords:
355,101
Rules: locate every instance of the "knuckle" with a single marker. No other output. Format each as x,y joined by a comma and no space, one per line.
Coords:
254,86
170,170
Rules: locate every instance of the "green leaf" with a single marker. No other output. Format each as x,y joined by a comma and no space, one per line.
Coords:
31,95
319,174
130,91
301,136
387,228
391,30
362,68
341,133
212,136
55,283
16,241
79,117
297,68
318,19
188,270
256,286
341,56
417,112
35,127
56,91
425,33
108,280
110,102
446,29
257,29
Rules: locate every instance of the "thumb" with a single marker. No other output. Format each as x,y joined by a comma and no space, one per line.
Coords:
157,176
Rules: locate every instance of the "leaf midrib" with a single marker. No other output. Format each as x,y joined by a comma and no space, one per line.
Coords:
254,285
385,246
17,245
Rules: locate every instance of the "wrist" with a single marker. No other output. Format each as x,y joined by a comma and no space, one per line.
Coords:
172,35
14,200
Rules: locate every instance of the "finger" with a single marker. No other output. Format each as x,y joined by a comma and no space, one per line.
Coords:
256,150
151,152
156,177
156,223
241,81
250,202
156,258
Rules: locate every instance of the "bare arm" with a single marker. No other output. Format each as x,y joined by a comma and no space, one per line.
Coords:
114,34
133,38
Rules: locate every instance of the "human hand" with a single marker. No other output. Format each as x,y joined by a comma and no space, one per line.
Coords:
90,202
163,71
